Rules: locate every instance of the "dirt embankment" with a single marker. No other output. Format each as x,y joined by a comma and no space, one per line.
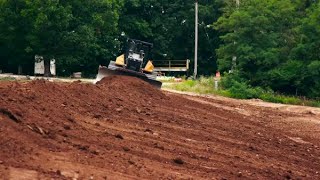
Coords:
123,128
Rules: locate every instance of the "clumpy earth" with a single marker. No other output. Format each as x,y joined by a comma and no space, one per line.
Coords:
123,128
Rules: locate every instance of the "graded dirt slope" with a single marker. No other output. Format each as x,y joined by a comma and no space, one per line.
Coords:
123,128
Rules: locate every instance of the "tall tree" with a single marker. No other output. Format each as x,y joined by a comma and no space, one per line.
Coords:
12,35
93,34
259,34
307,51
50,24
75,33
275,43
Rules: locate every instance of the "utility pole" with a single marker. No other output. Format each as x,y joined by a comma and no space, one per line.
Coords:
234,58
196,41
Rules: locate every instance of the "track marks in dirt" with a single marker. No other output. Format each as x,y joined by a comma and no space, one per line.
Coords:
83,123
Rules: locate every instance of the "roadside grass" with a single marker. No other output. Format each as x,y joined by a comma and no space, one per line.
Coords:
239,91
7,79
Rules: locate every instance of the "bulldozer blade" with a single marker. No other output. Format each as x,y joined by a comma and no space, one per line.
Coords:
105,72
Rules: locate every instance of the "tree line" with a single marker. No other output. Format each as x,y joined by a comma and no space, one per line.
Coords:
273,44
80,35
268,43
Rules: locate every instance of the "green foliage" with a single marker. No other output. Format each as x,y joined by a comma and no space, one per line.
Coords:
238,88
255,35
307,51
78,34
230,87
313,77
12,34
82,34
275,44
229,80
288,77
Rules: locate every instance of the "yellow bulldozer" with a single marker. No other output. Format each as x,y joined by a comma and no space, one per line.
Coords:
136,61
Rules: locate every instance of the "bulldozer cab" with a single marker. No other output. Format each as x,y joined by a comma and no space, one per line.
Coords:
134,62
137,54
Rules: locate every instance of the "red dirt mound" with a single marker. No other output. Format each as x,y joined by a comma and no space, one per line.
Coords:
131,86
43,114
123,128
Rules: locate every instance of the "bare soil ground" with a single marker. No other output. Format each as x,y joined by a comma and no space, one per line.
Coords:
123,128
